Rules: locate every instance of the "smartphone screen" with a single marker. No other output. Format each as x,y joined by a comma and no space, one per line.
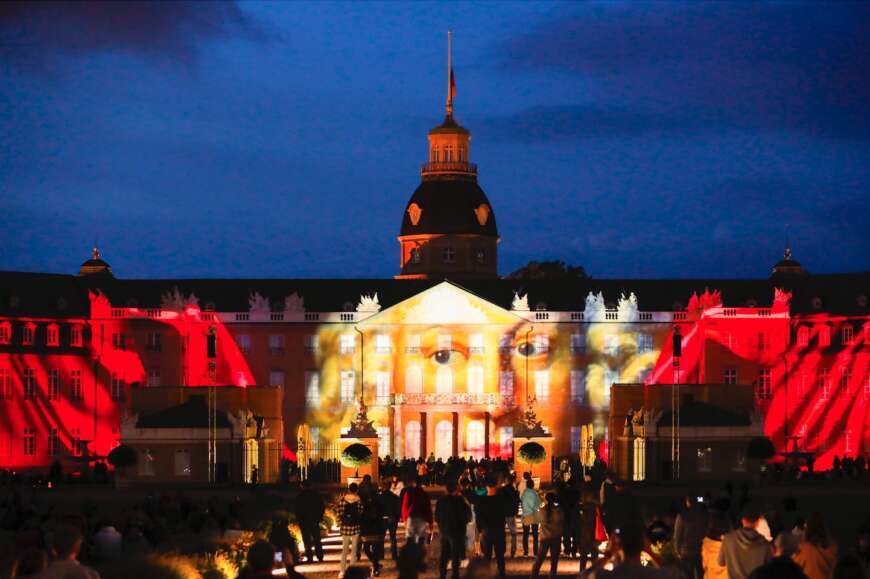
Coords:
279,557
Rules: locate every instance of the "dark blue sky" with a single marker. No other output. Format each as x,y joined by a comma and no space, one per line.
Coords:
284,139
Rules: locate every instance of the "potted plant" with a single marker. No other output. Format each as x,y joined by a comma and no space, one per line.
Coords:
532,453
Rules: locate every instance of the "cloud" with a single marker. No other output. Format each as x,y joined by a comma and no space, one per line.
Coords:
800,67
33,34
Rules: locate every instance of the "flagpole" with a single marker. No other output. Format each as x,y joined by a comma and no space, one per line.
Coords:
449,73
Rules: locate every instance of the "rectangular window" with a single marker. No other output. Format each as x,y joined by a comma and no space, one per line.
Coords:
542,385
312,343
845,380
444,342
52,335
243,341
763,389
76,441
475,379
578,386
146,463
312,389
506,386
542,343
705,459
730,376
53,385
53,442
75,336
383,441
739,460
611,377
75,385
475,344
153,377
824,336
182,462
506,440
383,344
866,388
412,345
506,343
803,385
29,441
383,385
611,344
803,336
5,333
119,341
347,344
763,342
576,439
276,378
5,384
578,344
847,335
276,344
644,343
29,384
348,386
448,255
154,340
117,387
27,335
823,383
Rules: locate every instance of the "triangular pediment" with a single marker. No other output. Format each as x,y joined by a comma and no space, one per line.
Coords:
445,303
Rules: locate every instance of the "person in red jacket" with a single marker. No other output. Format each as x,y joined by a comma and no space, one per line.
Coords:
416,513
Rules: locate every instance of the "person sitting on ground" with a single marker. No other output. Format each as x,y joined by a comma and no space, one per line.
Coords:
744,549
817,553
66,544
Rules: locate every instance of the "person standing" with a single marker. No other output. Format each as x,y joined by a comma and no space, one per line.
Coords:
744,549
349,515
817,554
511,499
372,529
712,544
65,544
531,502
452,514
390,509
584,537
309,513
417,516
552,527
689,531
489,513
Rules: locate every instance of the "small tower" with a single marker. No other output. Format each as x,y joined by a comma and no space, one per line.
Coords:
95,265
448,229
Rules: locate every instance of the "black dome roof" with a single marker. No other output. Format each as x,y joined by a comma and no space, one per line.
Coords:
450,206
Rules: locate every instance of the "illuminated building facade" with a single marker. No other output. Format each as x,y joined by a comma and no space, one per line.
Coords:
448,355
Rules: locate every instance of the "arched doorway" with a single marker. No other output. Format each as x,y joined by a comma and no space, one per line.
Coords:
444,439
474,439
412,439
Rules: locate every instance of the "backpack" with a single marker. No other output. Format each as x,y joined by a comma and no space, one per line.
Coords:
350,514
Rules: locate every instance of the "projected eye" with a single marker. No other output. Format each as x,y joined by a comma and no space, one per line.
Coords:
526,349
444,357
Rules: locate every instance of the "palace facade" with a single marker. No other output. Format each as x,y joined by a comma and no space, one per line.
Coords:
446,355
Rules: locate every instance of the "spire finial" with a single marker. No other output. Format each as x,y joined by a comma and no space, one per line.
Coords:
95,252
451,81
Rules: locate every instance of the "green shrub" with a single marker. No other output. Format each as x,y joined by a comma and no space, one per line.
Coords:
532,453
356,455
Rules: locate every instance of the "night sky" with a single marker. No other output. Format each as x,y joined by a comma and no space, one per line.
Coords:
284,139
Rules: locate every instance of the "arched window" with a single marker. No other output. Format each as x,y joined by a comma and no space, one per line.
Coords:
444,439
413,380
444,380
412,439
474,439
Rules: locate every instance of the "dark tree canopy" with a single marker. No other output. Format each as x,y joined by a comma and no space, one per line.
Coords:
760,448
123,456
556,269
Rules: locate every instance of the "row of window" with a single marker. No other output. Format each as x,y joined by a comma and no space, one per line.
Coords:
30,385
448,255
53,442
823,333
52,334
824,383
447,154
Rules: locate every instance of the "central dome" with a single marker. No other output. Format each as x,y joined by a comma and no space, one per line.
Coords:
449,206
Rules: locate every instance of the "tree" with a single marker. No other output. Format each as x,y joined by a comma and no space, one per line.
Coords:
123,456
552,270
760,448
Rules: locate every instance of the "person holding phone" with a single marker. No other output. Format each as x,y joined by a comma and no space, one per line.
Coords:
690,528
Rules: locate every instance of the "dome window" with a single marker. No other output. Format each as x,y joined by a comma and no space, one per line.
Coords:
415,255
448,255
